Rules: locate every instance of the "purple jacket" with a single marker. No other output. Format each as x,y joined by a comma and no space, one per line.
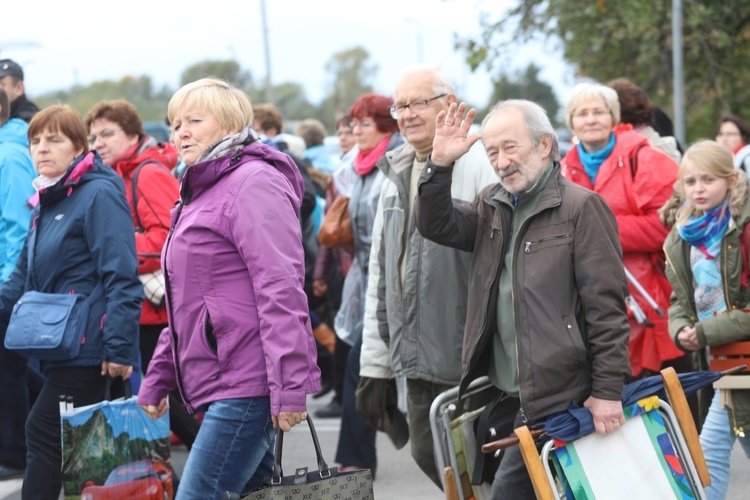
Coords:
238,314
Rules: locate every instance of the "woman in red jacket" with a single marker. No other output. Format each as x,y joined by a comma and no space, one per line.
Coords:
636,180
116,133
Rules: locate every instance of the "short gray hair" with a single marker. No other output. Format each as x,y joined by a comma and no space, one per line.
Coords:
585,91
536,120
442,82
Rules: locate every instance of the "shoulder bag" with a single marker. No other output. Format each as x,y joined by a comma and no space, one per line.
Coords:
48,326
324,483
336,228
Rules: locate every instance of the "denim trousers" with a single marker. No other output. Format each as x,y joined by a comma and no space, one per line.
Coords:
717,440
233,450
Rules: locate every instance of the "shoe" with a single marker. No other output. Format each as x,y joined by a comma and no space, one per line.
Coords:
10,473
352,468
332,410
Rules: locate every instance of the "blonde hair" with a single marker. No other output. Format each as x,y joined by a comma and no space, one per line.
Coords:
715,159
585,91
230,106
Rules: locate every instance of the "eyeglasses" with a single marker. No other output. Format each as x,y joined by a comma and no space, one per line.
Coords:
104,135
596,113
356,123
416,106
727,134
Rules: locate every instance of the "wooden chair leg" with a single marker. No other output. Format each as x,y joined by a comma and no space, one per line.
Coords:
451,487
679,404
534,464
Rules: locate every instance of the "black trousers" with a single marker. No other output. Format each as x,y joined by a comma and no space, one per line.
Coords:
43,478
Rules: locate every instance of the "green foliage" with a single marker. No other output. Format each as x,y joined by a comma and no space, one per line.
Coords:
139,91
225,70
607,39
525,85
350,71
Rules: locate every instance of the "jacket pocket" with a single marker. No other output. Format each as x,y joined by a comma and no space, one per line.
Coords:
208,334
574,335
531,246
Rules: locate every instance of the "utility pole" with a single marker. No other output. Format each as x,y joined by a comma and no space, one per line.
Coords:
267,50
677,72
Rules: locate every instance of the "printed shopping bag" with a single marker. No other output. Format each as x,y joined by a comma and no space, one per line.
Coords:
113,449
322,483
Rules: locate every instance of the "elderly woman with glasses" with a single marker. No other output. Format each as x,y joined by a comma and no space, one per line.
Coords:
376,132
733,133
636,180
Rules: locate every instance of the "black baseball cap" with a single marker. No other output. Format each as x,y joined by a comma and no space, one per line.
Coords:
10,67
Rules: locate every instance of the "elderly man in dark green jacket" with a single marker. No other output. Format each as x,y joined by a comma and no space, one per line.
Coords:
546,320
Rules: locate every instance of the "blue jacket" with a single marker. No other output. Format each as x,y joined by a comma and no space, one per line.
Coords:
85,236
16,175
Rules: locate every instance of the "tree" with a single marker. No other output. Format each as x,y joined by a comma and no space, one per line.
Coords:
226,70
139,91
526,85
606,39
351,76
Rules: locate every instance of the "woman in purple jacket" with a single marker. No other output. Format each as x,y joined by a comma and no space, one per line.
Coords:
238,344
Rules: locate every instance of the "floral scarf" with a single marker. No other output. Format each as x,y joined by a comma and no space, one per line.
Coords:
706,232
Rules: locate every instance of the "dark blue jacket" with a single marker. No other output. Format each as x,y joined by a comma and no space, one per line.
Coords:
85,236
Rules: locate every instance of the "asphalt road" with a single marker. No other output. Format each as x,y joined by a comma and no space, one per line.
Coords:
398,477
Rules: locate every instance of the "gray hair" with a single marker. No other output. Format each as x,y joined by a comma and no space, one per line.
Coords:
535,118
442,82
585,91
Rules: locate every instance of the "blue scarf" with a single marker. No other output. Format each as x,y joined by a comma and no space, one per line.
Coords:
592,161
706,232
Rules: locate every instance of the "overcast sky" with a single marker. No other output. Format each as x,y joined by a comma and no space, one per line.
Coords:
62,43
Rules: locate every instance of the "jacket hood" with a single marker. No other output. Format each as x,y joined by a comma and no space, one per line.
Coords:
15,131
668,213
203,175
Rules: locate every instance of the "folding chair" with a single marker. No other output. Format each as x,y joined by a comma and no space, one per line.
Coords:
655,455
452,424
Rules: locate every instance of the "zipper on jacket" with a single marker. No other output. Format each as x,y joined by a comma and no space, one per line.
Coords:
725,273
527,249
170,310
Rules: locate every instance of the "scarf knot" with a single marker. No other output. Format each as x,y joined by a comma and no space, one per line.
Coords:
706,231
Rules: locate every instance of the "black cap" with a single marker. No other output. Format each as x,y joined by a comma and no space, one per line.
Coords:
10,67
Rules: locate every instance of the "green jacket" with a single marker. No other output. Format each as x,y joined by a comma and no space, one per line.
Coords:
731,326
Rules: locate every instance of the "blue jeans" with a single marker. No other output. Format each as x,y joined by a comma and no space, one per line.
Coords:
233,450
717,440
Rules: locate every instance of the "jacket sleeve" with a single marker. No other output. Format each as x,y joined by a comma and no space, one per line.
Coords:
109,236
375,358
264,227
15,188
724,328
679,318
653,184
160,377
437,217
12,289
597,247
157,192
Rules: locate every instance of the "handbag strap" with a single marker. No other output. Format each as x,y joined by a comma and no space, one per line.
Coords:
127,389
134,193
97,292
277,471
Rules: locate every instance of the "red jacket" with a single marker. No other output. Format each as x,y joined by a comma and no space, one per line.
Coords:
157,192
636,180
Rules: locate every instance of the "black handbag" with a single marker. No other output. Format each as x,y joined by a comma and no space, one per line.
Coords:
495,422
322,484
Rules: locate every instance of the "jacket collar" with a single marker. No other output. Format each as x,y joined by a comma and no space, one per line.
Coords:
550,195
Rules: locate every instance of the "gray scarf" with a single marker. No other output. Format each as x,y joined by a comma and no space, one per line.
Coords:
229,144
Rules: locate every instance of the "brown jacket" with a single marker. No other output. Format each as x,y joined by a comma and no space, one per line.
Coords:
569,287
